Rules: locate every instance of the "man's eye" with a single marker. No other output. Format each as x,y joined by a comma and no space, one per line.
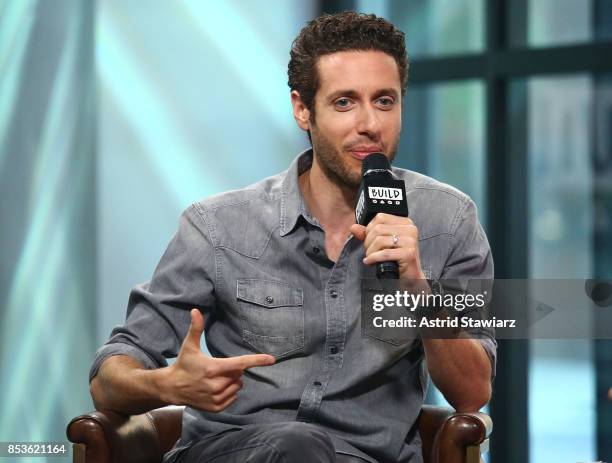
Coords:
343,102
386,101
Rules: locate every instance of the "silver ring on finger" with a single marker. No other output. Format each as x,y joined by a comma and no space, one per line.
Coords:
395,240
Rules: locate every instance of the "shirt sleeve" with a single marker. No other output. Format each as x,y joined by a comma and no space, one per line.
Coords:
158,312
470,258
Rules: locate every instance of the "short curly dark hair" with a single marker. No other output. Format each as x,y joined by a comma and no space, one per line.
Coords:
331,33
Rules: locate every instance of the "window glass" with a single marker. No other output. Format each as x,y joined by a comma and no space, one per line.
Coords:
560,22
444,135
552,119
434,27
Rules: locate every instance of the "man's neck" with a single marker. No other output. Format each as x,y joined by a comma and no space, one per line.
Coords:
332,205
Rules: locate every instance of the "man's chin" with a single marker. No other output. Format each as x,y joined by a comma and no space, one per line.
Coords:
340,168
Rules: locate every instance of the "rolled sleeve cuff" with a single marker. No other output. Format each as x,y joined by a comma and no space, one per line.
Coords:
490,347
119,348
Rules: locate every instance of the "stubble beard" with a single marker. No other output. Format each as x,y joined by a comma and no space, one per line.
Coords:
333,164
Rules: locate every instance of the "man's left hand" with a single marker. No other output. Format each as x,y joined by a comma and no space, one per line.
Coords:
392,238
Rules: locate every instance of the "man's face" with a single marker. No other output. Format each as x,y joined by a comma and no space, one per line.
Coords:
358,111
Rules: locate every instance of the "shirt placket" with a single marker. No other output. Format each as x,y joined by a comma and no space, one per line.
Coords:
335,336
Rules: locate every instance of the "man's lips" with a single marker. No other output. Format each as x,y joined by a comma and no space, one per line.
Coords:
361,152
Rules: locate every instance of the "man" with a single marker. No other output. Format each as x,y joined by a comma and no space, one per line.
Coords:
275,269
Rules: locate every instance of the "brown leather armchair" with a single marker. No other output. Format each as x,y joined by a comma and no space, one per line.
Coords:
107,437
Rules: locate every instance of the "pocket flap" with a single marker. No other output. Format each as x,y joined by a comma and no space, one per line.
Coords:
268,293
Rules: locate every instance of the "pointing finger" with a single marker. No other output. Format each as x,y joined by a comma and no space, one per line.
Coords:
243,362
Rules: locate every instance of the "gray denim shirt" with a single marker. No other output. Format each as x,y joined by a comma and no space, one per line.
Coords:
254,261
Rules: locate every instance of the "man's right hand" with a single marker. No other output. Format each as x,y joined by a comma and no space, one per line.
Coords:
204,382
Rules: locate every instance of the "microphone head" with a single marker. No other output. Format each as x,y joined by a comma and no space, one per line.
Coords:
375,162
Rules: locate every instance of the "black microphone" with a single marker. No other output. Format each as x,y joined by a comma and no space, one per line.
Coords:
380,191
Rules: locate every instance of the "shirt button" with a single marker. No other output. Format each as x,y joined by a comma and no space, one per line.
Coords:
317,383
334,350
269,299
333,293
316,250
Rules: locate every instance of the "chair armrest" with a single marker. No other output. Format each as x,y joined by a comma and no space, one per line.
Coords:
109,437
453,437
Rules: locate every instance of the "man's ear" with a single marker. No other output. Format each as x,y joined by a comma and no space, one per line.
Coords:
300,112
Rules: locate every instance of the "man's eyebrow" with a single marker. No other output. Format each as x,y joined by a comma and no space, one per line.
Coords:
354,94
339,93
386,91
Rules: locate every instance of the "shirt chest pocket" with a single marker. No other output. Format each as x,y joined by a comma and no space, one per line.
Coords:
272,316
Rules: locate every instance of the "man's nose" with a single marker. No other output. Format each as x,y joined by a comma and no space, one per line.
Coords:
368,123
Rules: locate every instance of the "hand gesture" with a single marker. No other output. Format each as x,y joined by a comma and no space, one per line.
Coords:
204,382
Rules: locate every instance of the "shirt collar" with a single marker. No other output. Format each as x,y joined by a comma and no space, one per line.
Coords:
292,201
